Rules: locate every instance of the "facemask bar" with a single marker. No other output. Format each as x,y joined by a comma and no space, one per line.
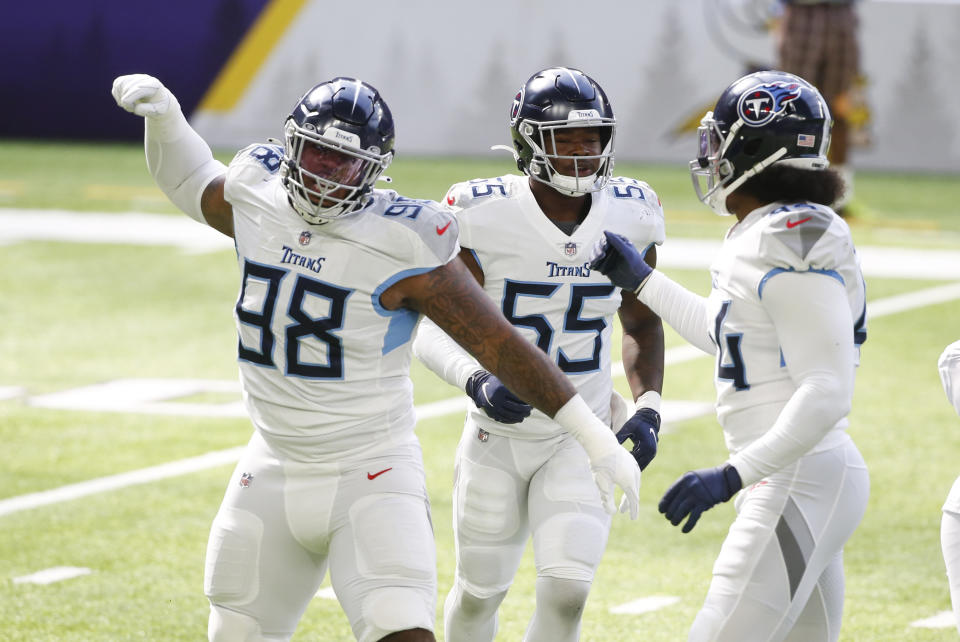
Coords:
542,166
708,170
301,184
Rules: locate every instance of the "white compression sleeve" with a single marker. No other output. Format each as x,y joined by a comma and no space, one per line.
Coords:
683,310
815,330
443,355
179,160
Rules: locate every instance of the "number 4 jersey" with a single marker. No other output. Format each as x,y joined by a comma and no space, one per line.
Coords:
752,380
324,368
541,279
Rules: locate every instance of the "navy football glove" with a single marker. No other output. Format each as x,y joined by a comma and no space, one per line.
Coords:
697,491
493,398
643,429
617,258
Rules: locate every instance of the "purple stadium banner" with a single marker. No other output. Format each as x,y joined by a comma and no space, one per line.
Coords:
58,59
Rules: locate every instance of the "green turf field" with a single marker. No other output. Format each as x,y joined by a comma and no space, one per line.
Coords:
79,314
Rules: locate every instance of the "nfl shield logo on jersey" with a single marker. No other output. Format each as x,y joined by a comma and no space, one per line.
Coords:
246,479
570,249
305,237
483,435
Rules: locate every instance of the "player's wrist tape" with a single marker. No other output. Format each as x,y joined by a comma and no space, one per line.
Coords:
577,419
649,399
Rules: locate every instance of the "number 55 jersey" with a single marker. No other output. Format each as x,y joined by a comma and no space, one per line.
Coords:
324,367
541,279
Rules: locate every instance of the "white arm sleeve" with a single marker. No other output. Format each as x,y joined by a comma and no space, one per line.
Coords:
179,160
683,310
949,366
815,329
443,355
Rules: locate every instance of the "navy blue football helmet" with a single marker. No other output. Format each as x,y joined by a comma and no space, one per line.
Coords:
554,99
337,142
762,119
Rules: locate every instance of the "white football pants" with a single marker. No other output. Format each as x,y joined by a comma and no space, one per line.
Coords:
282,522
779,575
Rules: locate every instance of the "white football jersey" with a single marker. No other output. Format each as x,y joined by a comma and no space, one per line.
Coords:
541,279
324,368
752,380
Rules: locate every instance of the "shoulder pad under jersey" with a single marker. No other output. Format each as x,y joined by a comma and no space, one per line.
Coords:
435,225
481,190
265,156
620,187
804,236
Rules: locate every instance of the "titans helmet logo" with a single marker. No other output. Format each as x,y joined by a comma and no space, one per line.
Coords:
758,106
517,102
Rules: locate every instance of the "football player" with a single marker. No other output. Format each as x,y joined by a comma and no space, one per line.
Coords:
334,277
526,239
949,366
785,319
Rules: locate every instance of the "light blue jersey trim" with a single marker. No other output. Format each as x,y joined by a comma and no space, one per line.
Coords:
402,321
775,271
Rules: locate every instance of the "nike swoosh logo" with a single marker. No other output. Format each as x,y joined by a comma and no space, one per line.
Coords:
375,475
793,224
441,230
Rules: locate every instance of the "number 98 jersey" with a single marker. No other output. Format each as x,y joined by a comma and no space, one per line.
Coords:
324,368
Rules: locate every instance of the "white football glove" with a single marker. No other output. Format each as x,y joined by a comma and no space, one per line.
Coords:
144,95
618,469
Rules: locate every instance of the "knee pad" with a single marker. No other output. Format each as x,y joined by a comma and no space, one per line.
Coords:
225,625
393,609
569,546
231,574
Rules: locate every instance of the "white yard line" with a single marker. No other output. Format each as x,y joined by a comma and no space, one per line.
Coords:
645,605
154,229
880,307
51,575
942,620
136,228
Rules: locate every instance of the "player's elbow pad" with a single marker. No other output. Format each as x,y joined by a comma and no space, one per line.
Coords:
181,163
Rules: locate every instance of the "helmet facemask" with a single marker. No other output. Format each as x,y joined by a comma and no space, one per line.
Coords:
348,171
543,165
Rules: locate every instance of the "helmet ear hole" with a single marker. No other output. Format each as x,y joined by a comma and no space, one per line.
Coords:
752,146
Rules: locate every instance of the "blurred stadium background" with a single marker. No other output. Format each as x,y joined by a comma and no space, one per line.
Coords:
119,413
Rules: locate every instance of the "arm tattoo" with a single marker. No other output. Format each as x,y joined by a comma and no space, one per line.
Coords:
455,302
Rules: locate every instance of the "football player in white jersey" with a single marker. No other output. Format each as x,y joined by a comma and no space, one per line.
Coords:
334,278
526,239
949,366
785,319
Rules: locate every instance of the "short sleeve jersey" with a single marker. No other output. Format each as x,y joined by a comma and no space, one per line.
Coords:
324,367
540,277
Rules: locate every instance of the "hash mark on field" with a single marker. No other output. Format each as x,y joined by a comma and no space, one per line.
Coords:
51,575
645,605
942,620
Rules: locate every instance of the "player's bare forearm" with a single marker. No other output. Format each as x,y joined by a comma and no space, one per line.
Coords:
451,297
642,346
